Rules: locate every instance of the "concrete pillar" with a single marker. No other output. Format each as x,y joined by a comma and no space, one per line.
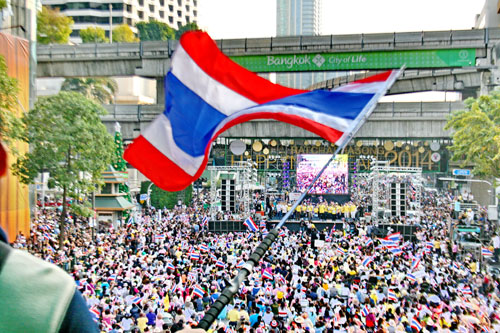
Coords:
160,91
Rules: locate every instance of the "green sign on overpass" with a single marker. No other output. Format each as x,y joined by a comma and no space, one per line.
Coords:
358,60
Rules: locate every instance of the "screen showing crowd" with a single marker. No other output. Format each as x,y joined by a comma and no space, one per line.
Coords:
332,181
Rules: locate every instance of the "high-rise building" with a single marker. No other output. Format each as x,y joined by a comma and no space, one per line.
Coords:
175,13
294,18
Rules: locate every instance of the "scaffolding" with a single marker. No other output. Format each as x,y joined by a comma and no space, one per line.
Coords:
245,175
380,171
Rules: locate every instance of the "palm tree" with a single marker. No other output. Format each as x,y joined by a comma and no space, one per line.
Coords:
100,89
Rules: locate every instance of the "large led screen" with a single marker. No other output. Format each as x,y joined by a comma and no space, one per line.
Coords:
332,181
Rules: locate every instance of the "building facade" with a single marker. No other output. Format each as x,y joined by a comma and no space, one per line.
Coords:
299,18
98,13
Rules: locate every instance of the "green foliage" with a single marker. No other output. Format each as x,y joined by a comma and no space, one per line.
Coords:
184,28
83,209
476,137
3,4
99,89
155,30
11,127
93,35
123,34
161,198
119,163
68,140
53,27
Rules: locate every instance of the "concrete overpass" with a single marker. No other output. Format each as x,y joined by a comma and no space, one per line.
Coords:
389,120
151,59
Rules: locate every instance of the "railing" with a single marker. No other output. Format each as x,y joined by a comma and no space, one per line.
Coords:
335,43
406,110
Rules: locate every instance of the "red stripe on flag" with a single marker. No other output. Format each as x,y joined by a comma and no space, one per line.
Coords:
156,166
204,52
375,78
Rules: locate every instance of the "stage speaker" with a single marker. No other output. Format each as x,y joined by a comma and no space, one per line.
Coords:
228,195
398,199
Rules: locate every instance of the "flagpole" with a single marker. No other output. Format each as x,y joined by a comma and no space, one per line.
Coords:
231,289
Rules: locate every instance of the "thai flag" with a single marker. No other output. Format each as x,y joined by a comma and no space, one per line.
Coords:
395,237
368,242
249,236
137,300
388,243
160,237
213,257
50,249
391,295
170,266
228,329
365,311
429,245
220,264
262,224
281,279
250,224
485,329
198,291
240,264
206,93
486,252
112,277
94,311
367,261
397,251
466,290
456,265
411,277
415,262
203,248
204,222
267,275
130,221
328,238
192,276
415,324
341,251
194,256
173,287
282,233
265,232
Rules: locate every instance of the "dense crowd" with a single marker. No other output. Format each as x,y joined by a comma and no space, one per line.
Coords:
161,272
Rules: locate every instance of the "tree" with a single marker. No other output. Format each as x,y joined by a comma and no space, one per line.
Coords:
119,163
11,128
160,198
155,30
68,140
184,28
123,34
53,27
476,139
99,89
93,35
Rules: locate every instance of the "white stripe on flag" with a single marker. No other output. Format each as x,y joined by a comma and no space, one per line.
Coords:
159,134
211,91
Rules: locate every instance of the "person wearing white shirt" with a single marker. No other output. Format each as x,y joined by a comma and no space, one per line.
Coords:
496,246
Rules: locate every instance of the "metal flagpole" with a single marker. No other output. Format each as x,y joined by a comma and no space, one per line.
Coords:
231,289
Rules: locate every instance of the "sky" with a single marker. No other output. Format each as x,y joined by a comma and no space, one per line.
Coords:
257,18
224,19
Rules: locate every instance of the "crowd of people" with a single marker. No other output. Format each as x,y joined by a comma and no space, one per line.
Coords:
161,272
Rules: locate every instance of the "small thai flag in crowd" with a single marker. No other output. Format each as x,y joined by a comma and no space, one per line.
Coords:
198,291
328,238
250,224
249,236
173,287
466,290
112,277
130,221
368,242
395,237
160,237
415,262
137,300
267,275
282,233
170,266
192,276
50,249
485,329
281,279
228,329
429,245
220,264
194,256
367,261
486,252
341,251
388,243
265,233
240,264
391,295
204,222
397,251
456,265
415,324
204,248
411,277
213,256
365,311
95,313
263,224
